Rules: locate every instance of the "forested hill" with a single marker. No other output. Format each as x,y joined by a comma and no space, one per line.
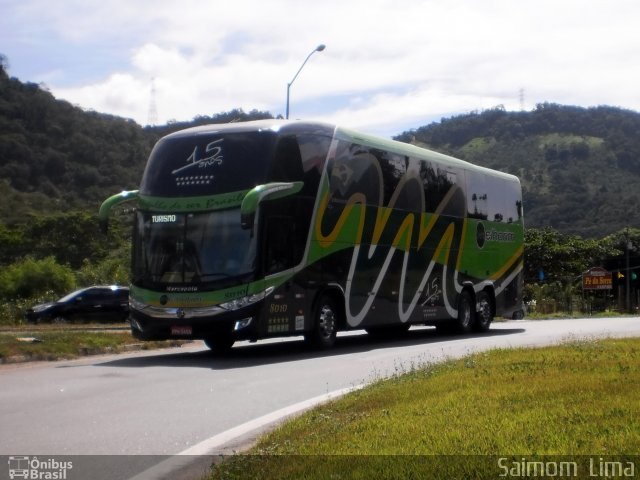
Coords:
55,157
579,168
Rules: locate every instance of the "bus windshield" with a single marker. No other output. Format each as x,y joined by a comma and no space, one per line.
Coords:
192,248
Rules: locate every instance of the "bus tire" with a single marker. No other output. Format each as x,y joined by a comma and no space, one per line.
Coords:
220,343
484,312
466,312
325,324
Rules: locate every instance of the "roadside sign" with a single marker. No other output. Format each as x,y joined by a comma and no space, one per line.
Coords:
597,278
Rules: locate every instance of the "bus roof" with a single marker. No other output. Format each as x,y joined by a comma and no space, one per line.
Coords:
309,127
275,125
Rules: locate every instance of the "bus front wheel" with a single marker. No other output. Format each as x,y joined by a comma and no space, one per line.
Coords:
325,324
219,343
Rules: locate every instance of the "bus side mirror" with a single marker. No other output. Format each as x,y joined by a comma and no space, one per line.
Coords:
246,220
261,193
109,203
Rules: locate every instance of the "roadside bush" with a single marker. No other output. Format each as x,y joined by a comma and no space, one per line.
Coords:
111,271
30,278
13,312
550,297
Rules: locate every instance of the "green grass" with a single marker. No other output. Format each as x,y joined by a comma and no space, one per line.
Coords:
56,344
576,399
565,140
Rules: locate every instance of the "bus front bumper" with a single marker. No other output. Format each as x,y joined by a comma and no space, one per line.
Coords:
237,317
184,324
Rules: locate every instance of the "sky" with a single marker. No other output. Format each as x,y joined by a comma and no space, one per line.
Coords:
389,65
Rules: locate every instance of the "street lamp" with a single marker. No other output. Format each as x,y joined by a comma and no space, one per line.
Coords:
319,48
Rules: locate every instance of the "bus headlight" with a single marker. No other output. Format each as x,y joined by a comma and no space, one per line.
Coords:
248,300
136,304
240,324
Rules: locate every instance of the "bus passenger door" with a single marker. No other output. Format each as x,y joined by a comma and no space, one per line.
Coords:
282,251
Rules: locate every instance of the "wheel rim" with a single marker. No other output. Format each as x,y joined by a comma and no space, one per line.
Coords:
484,312
326,322
465,320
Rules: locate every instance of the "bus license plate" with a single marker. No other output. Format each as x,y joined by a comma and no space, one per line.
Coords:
181,330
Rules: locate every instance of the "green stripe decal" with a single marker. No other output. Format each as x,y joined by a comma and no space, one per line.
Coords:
192,204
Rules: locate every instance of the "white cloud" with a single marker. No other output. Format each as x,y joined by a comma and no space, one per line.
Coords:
387,62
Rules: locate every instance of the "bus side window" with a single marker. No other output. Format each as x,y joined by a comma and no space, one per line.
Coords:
279,243
287,220
287,164
436,183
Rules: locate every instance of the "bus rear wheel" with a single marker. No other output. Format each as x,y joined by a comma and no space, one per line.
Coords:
484,314
466,312
325,324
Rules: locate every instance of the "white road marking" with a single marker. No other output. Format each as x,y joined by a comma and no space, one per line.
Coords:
168,468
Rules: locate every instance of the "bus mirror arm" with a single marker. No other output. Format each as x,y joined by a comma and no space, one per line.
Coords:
262,193
109,203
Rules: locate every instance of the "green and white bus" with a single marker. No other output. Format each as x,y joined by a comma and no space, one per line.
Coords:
272,228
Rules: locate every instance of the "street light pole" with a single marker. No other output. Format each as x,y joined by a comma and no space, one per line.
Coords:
319,48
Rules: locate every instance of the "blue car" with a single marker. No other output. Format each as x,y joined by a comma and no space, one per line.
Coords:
92,304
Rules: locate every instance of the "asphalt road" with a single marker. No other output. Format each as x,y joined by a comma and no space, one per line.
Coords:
174,401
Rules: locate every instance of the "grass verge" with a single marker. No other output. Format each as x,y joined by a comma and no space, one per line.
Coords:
66,344
457,419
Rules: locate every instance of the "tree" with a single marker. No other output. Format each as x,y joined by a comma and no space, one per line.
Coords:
73,238
4,65
563,257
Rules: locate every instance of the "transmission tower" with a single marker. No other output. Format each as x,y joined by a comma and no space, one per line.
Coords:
152,115
522,99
